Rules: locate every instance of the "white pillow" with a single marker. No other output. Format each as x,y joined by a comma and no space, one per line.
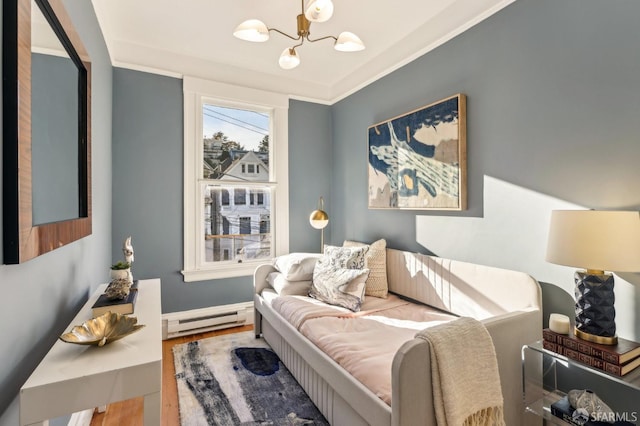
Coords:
284,287
297,266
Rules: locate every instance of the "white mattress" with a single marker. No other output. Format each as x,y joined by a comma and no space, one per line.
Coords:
363,343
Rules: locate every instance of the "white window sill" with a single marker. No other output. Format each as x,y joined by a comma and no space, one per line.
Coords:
227,270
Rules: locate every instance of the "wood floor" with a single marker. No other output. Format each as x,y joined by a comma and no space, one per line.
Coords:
129,413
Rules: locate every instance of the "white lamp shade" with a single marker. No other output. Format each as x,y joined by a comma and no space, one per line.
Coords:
289,59
348,42
319,10
319,219
252,30
598,240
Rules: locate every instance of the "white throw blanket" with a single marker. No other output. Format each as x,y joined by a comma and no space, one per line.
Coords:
465,378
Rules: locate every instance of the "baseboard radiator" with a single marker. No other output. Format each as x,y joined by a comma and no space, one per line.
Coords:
177,324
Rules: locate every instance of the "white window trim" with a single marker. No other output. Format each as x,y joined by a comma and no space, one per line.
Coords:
194,91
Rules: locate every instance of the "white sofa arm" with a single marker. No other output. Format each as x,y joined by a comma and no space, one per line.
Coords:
411,392
260,277
509,333
412,395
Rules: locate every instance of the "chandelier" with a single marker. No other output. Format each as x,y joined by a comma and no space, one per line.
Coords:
317,11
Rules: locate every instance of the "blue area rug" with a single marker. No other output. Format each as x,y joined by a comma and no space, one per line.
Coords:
236,379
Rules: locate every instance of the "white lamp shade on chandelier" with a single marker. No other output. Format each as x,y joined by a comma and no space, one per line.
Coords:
289,59
317,11
252,30
348,42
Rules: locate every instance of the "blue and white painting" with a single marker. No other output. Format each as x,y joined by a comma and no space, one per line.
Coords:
418,160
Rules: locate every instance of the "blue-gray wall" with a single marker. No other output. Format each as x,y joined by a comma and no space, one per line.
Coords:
310,171
148,182
553,91
41,296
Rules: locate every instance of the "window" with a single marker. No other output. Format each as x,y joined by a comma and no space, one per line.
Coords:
240,196
256,197
233,138
245,226
264,224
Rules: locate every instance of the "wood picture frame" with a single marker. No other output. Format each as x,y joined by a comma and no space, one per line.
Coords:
22,238
418,160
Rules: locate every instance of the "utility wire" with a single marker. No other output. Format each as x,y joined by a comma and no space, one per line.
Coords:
234,118
236,124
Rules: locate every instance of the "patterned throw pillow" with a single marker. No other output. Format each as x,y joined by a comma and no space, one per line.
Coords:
339,277
337,285
376,259
346,257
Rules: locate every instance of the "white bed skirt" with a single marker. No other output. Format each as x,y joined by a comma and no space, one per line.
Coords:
320,383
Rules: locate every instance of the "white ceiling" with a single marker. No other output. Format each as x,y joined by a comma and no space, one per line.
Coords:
194,37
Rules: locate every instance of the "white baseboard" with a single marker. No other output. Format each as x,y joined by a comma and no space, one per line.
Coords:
183,323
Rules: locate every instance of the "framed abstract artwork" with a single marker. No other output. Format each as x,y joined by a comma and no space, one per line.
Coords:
419,160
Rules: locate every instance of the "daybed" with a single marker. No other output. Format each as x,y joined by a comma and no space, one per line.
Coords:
508,303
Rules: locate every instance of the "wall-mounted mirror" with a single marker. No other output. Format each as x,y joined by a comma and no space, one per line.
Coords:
46,145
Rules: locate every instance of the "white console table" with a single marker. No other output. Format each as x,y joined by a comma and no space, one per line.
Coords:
73,377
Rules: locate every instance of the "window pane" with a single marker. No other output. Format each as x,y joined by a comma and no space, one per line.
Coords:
235,144
236,231
237,216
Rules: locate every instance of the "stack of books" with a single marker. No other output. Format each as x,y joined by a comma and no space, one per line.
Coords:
619,359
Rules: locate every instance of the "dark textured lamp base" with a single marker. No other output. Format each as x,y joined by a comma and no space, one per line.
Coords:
595,313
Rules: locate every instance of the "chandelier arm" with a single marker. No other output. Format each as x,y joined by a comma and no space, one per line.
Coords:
284,34
322,38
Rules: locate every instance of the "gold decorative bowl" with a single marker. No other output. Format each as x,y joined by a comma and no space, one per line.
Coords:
101,330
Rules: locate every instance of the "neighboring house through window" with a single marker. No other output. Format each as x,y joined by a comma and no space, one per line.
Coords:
234,136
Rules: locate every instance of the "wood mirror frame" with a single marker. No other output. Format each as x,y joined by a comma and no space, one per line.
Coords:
22,239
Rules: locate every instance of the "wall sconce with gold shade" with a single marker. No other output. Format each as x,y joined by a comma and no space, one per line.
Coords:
319,219
317,11
598,241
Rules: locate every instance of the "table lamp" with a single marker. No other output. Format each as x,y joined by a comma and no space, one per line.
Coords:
598,241
319,219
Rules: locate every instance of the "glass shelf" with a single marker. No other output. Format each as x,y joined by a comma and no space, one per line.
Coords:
548,376
631,379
